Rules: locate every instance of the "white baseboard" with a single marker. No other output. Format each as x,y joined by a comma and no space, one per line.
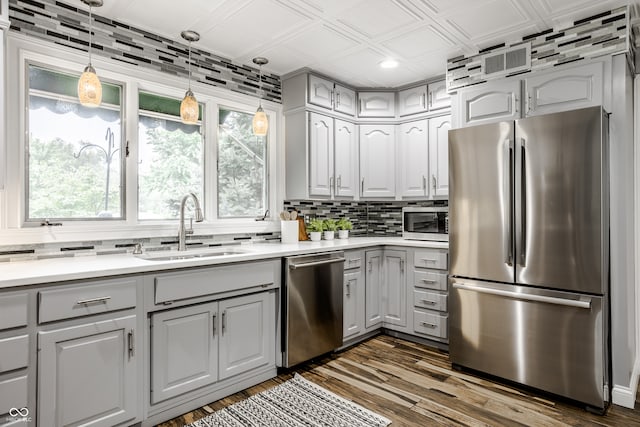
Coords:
626,396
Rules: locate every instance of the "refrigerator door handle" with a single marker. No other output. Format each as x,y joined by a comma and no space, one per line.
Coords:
583,302
523,204
509,204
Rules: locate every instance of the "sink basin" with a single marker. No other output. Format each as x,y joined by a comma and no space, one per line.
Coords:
178,255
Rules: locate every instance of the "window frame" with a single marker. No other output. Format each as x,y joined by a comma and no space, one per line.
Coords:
21,48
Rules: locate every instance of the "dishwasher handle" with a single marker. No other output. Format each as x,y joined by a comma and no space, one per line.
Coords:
314,263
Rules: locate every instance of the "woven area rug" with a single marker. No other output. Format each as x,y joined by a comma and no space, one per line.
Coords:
297,402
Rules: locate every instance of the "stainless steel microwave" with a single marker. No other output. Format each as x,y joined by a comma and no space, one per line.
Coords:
430,223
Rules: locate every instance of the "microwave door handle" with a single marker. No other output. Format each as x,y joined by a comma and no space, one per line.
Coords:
508,211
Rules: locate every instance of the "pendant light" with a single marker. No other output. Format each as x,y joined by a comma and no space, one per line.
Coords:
189,110
89,86
260,121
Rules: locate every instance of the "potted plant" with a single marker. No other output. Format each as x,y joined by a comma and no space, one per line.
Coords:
344,225
330,227
315,228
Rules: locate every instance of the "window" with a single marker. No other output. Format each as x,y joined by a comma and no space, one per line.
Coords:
170,156
74,162
242,166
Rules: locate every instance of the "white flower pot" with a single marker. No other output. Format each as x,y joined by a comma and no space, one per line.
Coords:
329,235
343,234
315,236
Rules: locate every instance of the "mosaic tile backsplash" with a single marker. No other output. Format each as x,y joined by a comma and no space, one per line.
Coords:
66,25
606,33
368,218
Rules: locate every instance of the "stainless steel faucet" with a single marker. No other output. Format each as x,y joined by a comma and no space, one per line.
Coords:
182,233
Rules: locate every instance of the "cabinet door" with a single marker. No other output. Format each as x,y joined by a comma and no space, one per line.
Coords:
320,92
87,375
414,151
489,103
345,159
320,155
353,317
373,288
563,90
345,100
377,161
248,334
438,95
394,288
439,155
377,104
184,347
412,101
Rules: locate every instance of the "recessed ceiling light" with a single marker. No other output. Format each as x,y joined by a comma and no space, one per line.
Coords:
389,63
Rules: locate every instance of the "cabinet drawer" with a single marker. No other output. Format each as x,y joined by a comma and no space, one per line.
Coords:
178,286
13,311
430,300
430,258
430,279
353,260
431,324
13,394
86,299
14,353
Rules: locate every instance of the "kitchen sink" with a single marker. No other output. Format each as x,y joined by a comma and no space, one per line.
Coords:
178,255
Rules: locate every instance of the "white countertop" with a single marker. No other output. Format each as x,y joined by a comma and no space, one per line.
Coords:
22,273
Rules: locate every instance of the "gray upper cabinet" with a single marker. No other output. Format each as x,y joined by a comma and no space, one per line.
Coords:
566,89
377,161
438,97
344,100
377,104
87,374
490,102
413,141
412,101
439,155
327,94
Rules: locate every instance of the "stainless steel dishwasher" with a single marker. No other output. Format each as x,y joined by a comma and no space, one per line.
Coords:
312,302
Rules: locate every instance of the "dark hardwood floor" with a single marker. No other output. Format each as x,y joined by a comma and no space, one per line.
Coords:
414,385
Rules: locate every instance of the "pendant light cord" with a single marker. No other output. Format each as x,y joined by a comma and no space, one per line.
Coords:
90,34
260,85
189,64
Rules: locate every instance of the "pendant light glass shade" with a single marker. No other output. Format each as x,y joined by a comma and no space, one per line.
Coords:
189,109
89,86
260,120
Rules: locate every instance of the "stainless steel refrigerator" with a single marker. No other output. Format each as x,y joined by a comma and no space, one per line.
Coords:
529,252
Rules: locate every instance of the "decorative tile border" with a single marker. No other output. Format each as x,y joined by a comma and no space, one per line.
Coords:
603,34
109,247
68,26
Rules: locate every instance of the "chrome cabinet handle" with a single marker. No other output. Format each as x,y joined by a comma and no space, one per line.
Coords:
430,99
402,265
435,183
426,301
370,265
428,325
331,184
423,101
528,104
349,288
338,99
92,300
428,260
331,97
515,102
362,187
213,322
424,184
429,281
224,321
131,343
339,182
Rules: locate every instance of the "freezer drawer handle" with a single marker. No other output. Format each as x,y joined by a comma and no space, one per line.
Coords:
312,264
582,303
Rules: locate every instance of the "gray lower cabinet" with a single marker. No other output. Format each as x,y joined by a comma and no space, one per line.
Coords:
87,374
201,344
394,288
430,294
184,350
354,295
373,288
247,336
